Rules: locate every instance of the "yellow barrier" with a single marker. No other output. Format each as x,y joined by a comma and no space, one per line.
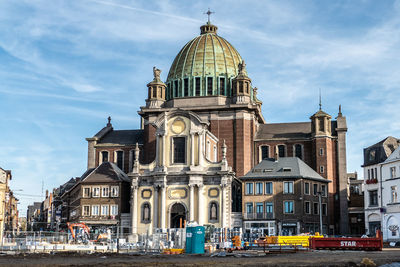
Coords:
173,251
297,240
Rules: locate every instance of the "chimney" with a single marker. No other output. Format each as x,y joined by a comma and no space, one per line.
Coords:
276,154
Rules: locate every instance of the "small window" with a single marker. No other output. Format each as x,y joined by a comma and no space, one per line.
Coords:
306,188
209,86
392,172
86,192
298,151
321,124
96,192
315,189
393,191
281,150
114,191
222,86
104,156
315,208
269,207
269,188
323,190
260,210
105,191
104,210
372,174
95,210
146,216
373,198
249,188
321,151
288,187
259,188
288,207
324,209
179,149
176,89
376,173
307,209
120,159
249,208
264,152
197,86
213,212
321,169
240,87
114,210
86,210
186,87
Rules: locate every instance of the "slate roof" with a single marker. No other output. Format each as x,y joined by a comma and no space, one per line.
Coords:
285,167
122,137
382,151
106,172
293,130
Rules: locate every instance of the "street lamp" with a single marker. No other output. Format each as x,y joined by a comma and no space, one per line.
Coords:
320,211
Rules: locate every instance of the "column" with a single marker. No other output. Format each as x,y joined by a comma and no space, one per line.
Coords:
191,201
201,148
192,149
201,205
163,206
134,209
157,150
164,150
155,207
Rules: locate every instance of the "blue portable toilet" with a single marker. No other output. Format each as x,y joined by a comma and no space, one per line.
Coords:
189,240
198,237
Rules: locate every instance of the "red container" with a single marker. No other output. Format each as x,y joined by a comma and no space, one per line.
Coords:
348,243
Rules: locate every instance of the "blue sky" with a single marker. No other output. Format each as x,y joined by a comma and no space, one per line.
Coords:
67,65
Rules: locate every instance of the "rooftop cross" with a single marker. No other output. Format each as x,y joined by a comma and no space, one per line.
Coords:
209,12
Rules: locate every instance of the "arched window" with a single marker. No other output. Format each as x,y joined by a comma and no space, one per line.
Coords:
281,150
146,213
104,156
119,159
298,151
213,212
264,152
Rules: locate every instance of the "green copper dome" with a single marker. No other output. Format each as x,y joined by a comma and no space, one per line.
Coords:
204,66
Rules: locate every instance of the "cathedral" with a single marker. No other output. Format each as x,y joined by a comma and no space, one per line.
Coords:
202,129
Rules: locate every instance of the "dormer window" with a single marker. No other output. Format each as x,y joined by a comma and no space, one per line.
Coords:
372,155
285,169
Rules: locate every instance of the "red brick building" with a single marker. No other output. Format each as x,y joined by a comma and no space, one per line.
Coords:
208,100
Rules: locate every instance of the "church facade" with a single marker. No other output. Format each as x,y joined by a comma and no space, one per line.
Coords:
201,130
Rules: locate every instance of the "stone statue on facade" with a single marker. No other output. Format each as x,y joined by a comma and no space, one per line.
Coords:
156,73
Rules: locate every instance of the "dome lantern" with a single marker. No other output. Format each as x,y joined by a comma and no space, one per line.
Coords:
156,91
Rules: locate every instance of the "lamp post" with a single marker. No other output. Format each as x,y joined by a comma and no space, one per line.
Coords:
320,211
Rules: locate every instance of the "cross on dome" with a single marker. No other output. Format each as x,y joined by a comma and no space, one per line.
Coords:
209,12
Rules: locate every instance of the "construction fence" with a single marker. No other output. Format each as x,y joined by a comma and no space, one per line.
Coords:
149,241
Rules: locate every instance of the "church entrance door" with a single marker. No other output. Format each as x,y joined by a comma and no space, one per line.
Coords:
178,215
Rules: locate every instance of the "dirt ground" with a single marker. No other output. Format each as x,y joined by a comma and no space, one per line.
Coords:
316,258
